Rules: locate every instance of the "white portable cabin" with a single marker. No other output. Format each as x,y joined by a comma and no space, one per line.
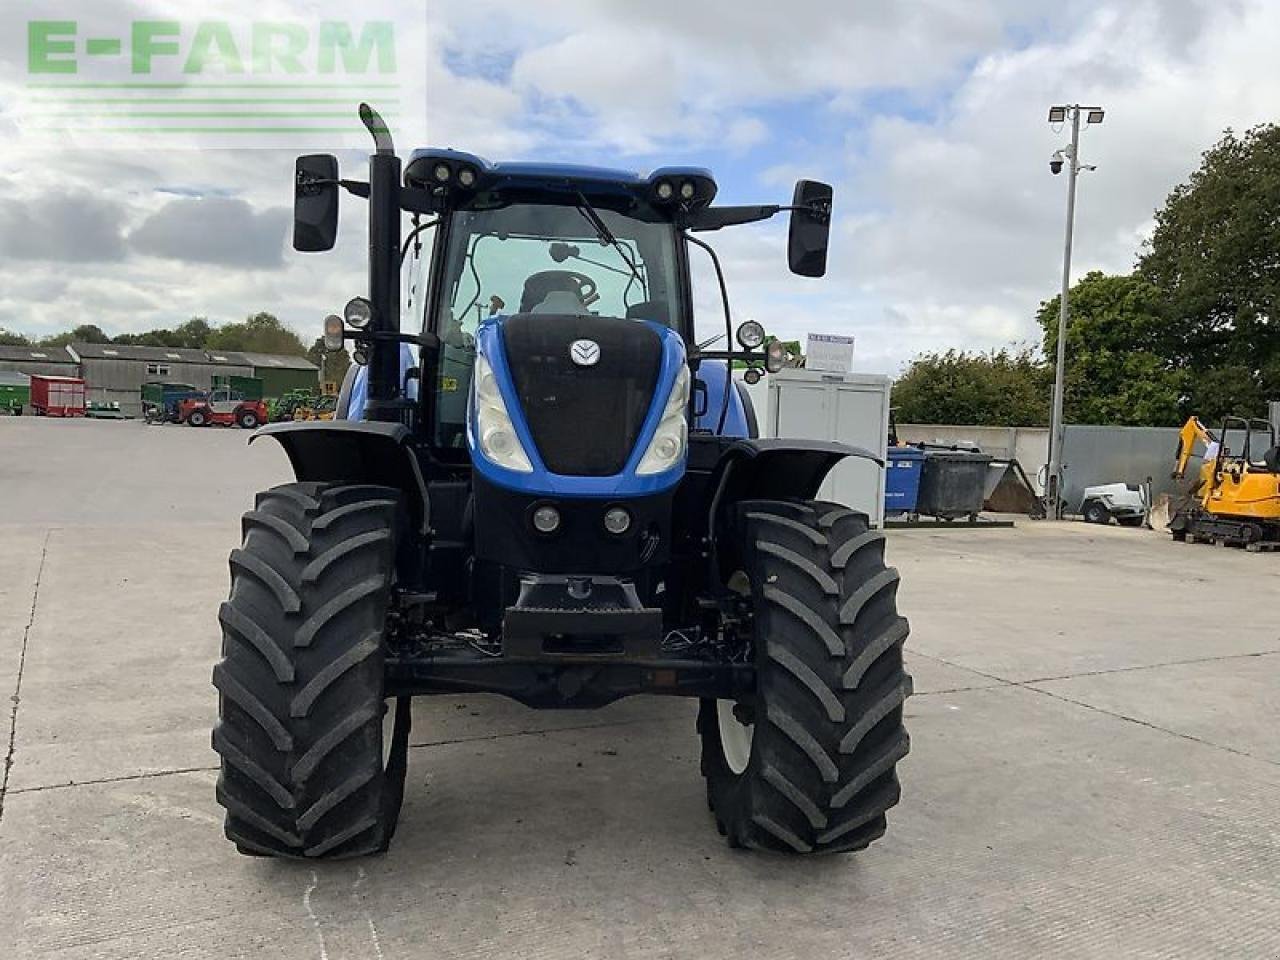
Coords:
852,408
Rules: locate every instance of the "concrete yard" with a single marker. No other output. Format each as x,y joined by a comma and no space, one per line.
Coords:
1095,768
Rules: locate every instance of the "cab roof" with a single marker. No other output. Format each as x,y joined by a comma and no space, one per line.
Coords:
531,178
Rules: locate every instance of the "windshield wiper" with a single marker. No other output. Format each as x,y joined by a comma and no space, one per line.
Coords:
605,235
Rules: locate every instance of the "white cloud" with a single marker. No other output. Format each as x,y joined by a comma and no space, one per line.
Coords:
968,215
948,226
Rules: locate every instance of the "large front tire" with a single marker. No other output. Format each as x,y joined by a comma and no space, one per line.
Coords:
819,769
301,684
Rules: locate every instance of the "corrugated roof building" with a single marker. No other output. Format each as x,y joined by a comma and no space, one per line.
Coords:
280,374
116,372
47,361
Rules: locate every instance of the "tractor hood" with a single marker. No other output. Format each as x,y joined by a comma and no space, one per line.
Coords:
574,405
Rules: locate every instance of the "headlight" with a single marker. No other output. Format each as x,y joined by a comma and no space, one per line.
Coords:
672,436
358,313
750,334
493,429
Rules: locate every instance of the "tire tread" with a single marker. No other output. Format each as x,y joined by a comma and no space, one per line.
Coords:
830,680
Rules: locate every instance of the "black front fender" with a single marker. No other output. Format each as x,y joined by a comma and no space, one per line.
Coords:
780,468
354,451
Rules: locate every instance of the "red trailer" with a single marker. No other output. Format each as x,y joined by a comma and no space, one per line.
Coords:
57,396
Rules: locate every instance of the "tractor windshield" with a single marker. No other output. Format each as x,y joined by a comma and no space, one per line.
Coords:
540,258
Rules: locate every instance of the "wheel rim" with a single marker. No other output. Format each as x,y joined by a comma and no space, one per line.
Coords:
388,730
735,737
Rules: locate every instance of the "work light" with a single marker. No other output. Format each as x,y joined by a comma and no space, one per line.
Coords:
664,190
333,333
750,335
358,312
687,190
442,172
775,356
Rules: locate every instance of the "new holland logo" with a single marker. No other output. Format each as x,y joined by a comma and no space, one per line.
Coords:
585,353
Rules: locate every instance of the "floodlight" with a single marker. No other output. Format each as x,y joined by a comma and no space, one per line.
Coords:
1057,114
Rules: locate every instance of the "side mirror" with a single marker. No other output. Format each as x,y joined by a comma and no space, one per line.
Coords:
315,202
810,229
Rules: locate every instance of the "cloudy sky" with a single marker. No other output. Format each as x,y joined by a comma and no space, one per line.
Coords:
927,115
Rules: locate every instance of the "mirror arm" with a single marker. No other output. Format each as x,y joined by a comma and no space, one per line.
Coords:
713,218
357,187
821,212
411,200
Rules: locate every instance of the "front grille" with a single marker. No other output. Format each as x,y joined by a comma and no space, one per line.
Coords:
584,420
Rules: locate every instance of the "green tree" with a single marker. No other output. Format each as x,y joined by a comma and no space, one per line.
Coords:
333,366
1003,387
10,338
195,333
1215,258
150,338
259,333
85,333
1122,357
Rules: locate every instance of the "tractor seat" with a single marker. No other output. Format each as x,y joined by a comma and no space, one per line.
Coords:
562,302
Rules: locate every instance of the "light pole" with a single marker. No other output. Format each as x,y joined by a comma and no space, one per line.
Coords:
1070,157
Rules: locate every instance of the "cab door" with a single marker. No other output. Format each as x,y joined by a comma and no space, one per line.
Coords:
224,401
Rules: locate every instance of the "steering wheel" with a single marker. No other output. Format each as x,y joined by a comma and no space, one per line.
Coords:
544,282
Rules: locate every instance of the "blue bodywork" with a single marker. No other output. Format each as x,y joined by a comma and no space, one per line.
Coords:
542,482
712,373
558,177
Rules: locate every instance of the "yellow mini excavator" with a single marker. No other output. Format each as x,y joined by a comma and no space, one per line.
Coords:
1237,497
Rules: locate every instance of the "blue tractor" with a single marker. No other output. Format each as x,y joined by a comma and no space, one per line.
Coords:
545,488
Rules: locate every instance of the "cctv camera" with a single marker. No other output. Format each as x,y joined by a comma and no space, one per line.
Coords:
1055,165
